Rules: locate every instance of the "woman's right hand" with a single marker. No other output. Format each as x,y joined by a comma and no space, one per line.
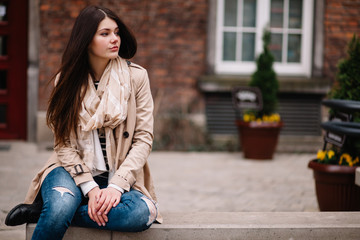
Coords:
93,207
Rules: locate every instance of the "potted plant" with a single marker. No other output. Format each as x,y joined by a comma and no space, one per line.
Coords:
334,174
334,168
259,129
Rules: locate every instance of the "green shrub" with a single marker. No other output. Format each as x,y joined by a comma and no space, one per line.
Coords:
347,85
265,78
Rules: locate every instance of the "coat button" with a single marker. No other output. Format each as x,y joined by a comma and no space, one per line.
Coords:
126,134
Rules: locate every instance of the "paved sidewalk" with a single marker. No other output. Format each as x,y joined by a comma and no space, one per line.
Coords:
185,182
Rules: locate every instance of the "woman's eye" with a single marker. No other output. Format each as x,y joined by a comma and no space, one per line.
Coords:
104,34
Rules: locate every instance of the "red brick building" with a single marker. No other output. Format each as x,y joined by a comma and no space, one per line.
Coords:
195,51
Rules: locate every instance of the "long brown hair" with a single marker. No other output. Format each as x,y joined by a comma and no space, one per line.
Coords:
66,97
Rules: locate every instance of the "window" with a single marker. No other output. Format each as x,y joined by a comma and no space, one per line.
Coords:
240,27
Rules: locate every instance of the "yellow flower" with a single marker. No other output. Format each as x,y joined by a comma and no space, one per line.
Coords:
330,154
276,117
321,155
246,118
347,158
250,117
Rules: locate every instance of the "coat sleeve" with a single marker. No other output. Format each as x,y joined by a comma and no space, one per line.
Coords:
125,176
72,162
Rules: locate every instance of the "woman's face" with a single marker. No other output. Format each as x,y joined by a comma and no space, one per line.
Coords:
106,41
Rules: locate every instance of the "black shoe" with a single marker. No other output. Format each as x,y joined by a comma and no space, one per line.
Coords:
23,213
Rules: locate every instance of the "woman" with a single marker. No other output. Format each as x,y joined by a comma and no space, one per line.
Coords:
101,114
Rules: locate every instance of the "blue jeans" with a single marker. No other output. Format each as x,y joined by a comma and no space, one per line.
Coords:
62,207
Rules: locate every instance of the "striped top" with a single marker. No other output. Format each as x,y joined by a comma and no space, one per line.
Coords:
101,132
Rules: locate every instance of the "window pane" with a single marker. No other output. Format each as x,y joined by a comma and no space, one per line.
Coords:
295,13
276,14
249,14
248,47
2,114
276,46
3,84
3,45
229,46
230,15
294,48
3,11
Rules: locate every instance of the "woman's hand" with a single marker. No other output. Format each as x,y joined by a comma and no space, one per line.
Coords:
100,203
110,197
94,196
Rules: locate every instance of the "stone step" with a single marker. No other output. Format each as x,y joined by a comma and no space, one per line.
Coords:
300,144
235,225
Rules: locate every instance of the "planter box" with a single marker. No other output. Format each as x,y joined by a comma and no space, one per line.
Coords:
335,187
258,140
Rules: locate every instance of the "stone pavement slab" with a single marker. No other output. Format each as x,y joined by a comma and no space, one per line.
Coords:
225,182
185,182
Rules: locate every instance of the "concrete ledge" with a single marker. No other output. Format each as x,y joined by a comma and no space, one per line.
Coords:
236,225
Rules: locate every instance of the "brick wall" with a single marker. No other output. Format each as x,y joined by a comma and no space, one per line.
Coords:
342,20
171,37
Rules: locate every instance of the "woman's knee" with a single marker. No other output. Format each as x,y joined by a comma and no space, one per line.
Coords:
152,210
142,215
61,197
59,183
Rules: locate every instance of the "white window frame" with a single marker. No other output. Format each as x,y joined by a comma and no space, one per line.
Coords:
262,20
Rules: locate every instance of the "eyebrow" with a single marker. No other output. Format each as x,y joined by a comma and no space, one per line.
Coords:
108,29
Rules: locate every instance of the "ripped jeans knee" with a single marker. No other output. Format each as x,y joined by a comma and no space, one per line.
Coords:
60,193
63,190
152,210
61,198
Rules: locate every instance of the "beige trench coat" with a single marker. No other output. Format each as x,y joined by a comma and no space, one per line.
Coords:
133,139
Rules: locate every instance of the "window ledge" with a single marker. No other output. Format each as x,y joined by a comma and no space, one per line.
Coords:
225,83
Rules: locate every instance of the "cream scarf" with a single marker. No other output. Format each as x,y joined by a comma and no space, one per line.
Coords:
104,107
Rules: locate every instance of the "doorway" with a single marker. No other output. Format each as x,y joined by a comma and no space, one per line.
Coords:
13,68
